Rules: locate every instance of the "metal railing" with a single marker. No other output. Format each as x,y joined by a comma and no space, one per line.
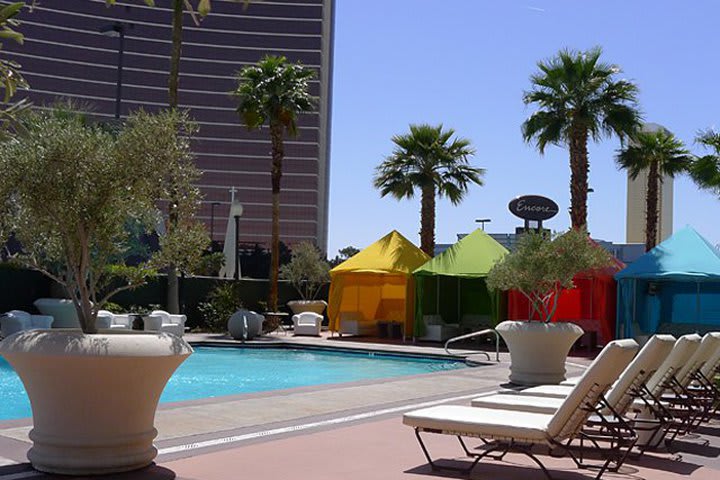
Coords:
478,334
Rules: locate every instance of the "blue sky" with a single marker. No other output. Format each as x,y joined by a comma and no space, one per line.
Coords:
466,63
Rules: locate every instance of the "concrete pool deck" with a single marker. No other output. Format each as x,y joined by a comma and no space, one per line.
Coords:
351,430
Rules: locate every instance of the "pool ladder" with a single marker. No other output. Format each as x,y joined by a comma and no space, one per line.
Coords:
479,333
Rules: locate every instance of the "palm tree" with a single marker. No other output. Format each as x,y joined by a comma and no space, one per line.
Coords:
659,153
431,160
705,170
274,91
578,99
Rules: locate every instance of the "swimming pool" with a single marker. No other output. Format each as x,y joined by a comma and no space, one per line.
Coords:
217,371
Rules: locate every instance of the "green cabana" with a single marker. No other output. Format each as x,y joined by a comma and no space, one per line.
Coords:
452,285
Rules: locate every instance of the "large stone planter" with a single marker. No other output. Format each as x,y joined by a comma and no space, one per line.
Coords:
93,396
538,350
300,306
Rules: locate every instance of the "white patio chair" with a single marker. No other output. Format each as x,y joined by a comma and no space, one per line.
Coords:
436,330
18,320
169,323
307,323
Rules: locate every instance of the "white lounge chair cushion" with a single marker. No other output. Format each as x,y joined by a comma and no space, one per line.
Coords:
685,347
550,391
482,422
523,403
709,344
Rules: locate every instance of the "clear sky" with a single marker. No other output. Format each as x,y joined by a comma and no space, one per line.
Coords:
466,63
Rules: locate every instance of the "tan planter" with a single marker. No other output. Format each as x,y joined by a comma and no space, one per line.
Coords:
93,396
300,306
538,350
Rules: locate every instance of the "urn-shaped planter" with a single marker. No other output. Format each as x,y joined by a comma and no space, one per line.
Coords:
93,396
538,350
300,306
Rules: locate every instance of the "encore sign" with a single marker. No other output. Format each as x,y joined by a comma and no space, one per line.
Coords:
533,207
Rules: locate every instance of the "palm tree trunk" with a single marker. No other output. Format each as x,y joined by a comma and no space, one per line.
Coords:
427,220
173,287
278,152
579,167
174,78
651,207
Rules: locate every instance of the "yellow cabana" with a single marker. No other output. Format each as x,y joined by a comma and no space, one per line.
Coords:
375,284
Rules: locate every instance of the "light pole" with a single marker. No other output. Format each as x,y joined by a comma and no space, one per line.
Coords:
237,240
117,30
212,225
482,222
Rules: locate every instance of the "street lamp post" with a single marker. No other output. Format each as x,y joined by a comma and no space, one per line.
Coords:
482,222
117,30
212,225
237,240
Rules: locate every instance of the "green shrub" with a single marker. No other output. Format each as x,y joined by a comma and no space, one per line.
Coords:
222,302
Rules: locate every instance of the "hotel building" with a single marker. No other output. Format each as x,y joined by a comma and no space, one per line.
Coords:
65,55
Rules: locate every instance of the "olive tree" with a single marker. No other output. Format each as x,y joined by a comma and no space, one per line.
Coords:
541,267
69,188
307,270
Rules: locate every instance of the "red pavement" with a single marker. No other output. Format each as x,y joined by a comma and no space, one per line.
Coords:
385,450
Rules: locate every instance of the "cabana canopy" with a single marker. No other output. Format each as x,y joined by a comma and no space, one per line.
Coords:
677,282
453,283
591,304
377,283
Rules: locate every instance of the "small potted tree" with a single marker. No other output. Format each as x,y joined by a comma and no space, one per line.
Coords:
307,271
540,268
69,187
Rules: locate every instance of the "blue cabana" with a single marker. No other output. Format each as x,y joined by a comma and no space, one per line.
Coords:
675,287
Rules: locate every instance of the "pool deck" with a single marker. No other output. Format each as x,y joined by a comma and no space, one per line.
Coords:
343,431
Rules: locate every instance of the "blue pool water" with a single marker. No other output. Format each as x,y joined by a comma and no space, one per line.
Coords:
214,372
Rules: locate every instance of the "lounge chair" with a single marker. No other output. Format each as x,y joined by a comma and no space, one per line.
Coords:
17,321
307,323
630,384
504,431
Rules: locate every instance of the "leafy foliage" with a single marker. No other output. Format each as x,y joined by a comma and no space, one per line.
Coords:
274,91
541,267
10,77
659,147
431,160
70,187
222,302
344,254
307,270
705,169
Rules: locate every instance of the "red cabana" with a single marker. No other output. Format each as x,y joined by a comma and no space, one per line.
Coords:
591,304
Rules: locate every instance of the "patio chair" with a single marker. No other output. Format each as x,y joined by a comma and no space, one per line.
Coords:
505,431
352,323
169,323
436,330
307,323
17,321
108,320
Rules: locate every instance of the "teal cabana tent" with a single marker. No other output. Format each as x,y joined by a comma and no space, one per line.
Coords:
452,284
675,287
